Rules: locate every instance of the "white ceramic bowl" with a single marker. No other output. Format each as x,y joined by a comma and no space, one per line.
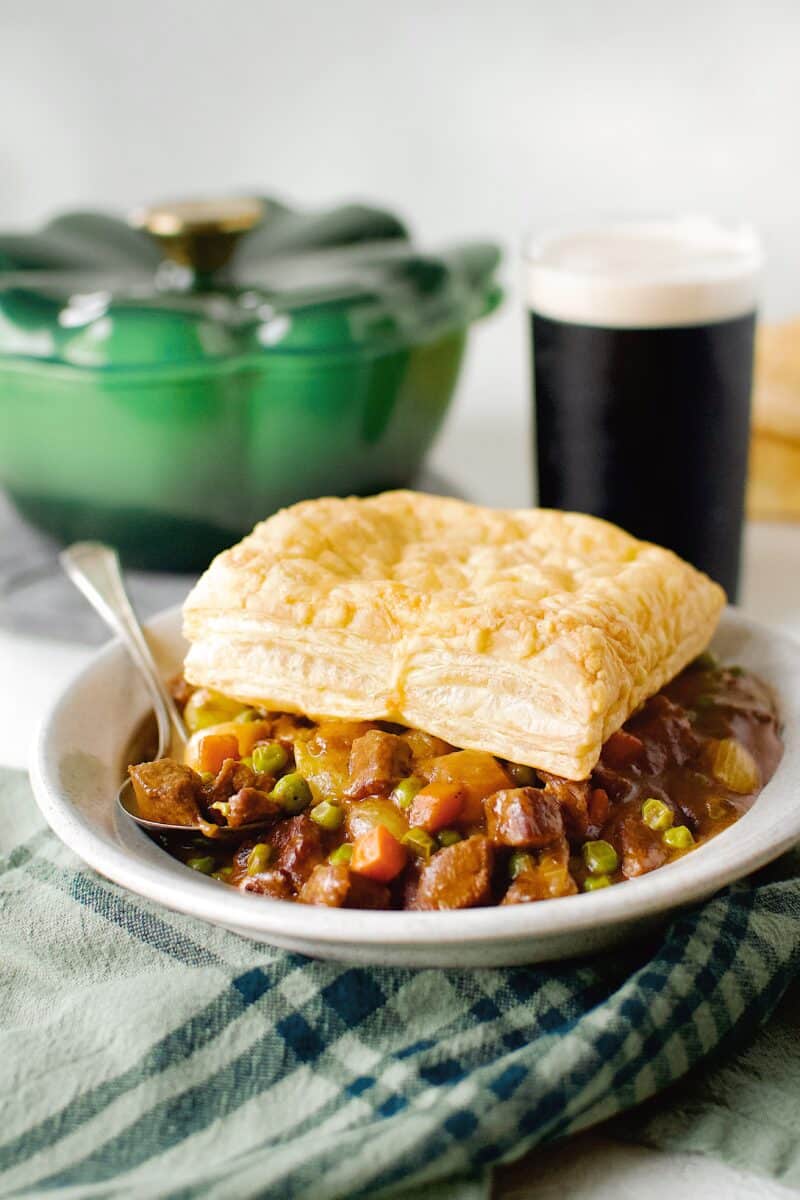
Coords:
78,767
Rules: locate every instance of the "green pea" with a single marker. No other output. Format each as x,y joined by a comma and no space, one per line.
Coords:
269,758
448,837
706,661
679,838
596,881
247,761
523,776
656,814
205,865
519,862
342,854
259,858
420,842
292,793
736,672
403,795
327,815
223,874
246,716
600,858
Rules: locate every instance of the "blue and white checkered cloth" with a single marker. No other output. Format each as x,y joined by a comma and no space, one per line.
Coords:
145,1054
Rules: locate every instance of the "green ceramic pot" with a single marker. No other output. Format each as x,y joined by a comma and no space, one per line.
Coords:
166,409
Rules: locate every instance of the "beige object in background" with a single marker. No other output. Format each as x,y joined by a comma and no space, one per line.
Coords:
530,634
774,483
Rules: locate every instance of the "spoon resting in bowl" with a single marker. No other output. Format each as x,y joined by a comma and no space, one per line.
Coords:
95,570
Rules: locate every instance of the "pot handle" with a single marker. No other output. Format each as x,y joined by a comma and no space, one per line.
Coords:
200,234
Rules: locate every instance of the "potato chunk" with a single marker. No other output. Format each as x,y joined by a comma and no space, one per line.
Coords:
478,773
377,761
323,758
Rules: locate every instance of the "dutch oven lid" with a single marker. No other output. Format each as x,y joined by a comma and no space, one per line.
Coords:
197,281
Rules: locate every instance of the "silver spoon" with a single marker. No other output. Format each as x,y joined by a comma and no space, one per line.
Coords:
95,570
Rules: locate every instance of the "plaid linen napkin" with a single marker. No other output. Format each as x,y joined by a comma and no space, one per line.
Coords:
145,1054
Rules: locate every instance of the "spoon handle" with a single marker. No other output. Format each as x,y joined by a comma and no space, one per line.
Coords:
95,570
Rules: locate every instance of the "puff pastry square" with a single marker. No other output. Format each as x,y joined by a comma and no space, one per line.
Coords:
530,634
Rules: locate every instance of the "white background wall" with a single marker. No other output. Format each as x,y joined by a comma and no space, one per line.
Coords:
471,118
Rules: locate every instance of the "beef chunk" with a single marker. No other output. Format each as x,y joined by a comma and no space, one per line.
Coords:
377,761
274,883
334,885
167,791
367,893
249,805
573,796
328,883
298,847
523,817
407,885
459,876
230,778
599,808
643,848
667,733
618,786
246,791
622,750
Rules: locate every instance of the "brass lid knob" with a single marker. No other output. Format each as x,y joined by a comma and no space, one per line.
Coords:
200,234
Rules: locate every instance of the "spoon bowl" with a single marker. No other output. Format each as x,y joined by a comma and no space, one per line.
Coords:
126,799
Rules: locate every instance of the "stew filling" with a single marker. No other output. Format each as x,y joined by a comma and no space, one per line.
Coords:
365,814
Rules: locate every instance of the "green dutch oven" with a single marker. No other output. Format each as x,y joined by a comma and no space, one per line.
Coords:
164,387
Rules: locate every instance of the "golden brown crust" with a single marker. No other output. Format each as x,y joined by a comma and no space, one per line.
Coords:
531,634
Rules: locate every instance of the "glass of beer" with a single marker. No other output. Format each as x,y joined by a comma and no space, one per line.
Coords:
642,370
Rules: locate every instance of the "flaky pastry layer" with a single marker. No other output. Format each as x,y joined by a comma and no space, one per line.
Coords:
531,634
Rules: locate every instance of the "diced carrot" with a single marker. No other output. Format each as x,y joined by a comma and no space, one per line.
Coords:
598,807
378,855
436,806
214,748
622,749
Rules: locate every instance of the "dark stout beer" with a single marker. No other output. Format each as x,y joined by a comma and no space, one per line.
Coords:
643,349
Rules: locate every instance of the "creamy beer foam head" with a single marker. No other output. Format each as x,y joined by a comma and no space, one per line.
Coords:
645,274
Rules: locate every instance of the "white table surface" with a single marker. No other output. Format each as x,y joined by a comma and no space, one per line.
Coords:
490,466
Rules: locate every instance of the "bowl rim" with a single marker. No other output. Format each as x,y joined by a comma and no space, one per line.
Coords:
693,878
